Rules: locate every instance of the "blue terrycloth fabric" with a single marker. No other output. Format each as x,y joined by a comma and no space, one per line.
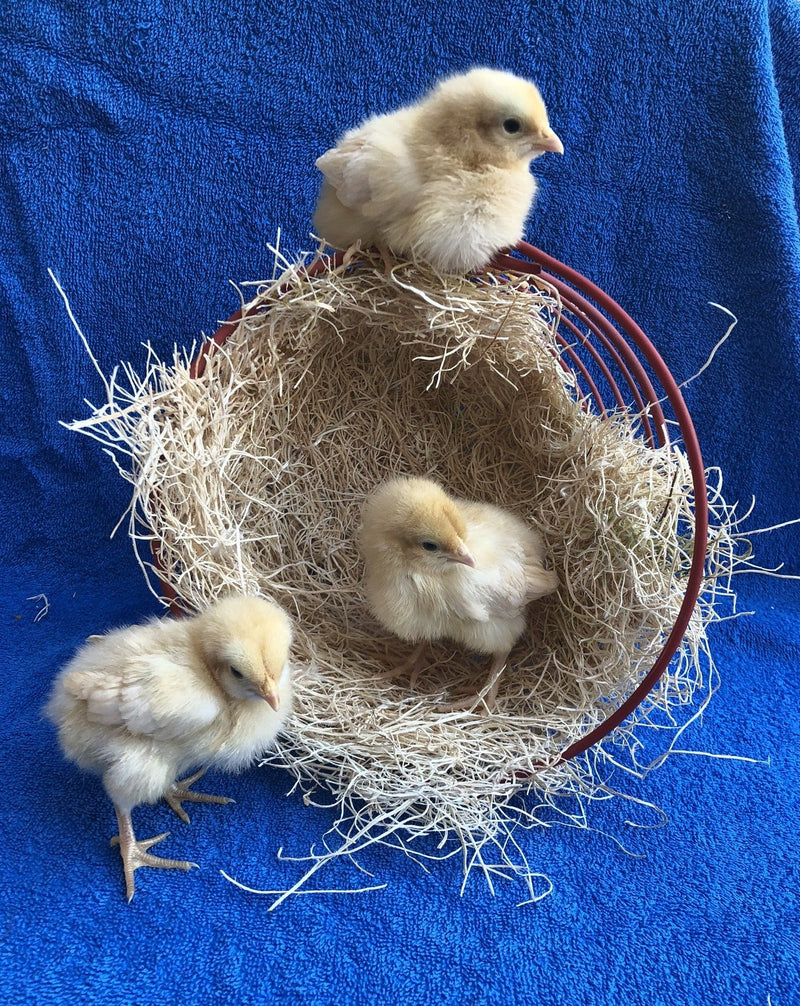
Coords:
148,153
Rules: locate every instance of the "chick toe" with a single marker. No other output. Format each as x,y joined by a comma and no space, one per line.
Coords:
472,702
181,790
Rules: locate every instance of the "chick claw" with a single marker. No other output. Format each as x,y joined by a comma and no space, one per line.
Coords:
181,790
134,853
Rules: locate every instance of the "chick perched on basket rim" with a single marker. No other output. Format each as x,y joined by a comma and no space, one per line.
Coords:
142,705
446,180
437,567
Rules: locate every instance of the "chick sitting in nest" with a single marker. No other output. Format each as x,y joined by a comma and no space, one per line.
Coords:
443,568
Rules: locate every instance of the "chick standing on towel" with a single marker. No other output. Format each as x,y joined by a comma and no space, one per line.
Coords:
142,705
443,568
445,180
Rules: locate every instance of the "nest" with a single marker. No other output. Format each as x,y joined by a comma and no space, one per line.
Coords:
250,477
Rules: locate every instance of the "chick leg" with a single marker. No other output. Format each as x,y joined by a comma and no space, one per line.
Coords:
353,250
388,261
498,663
181,790
134,853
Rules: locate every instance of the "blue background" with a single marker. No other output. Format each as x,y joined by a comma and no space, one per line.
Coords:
148,154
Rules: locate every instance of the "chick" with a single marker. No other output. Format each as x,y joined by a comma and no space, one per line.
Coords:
142,705
445,180
443,568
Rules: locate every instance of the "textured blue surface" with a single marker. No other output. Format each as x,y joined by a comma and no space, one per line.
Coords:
148,153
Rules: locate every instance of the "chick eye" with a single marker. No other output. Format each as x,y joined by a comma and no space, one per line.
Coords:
430,546
236,672
512,125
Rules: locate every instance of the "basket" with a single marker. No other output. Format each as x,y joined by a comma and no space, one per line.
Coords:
612,361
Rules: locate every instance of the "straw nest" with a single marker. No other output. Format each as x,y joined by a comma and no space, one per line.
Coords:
251,477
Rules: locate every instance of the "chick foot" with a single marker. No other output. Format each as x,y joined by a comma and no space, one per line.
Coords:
482,705
412,664
134,853
181,790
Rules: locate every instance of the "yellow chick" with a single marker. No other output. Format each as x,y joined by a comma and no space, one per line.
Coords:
142,705
446,180
443,568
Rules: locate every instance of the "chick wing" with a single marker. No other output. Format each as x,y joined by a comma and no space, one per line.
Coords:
508,554
371,170
151,696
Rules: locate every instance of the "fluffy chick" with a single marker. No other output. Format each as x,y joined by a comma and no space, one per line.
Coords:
443,568
142,705
446,180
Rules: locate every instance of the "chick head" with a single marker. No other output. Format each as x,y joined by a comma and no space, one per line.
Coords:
245,643
414,521
489,116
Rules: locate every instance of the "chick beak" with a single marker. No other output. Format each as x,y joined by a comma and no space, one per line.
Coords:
270,694
462,556
548,142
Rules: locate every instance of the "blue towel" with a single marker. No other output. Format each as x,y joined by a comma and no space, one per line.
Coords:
148,155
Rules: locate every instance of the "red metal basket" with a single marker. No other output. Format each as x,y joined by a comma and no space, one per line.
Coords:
605,347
